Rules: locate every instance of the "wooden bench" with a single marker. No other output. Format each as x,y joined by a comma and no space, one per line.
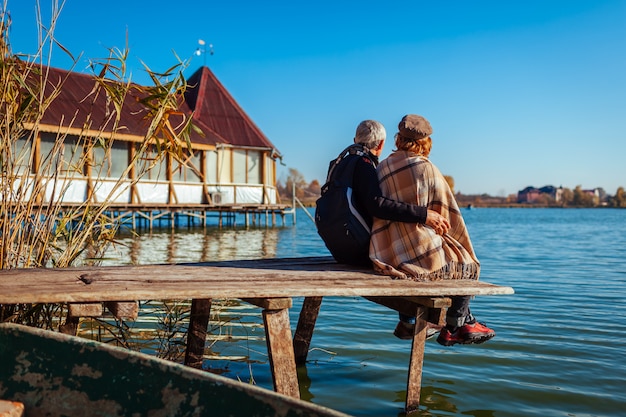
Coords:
269,284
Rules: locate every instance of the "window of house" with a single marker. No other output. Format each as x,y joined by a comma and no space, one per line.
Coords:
246,166
211,167
110,162
22,152
68,156
269,170
224,166
187,170
254,167
156,169
239,166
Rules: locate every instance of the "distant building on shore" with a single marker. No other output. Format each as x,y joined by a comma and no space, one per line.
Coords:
532,194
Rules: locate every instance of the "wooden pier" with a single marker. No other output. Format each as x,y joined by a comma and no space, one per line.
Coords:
270,284
155,215
147,217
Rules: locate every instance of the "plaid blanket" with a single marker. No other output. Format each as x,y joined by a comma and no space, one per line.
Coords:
415,251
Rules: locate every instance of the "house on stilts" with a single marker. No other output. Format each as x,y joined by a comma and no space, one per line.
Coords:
227,170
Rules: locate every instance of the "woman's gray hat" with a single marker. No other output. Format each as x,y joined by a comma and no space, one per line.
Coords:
414,127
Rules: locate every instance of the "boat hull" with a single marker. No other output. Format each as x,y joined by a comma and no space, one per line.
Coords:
54,374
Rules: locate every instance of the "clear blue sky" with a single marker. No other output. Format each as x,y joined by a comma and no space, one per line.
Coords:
519,93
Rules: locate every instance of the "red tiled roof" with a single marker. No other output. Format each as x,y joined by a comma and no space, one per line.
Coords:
215,112
78,104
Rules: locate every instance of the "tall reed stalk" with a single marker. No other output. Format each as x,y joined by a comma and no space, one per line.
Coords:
37,228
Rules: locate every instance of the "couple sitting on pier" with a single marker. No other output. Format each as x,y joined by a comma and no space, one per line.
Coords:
417,231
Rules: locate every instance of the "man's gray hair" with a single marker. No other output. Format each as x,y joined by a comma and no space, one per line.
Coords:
370,133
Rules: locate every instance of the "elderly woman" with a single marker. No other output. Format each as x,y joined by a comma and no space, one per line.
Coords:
416,251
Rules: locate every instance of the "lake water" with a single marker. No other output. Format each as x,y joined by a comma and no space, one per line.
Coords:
560,338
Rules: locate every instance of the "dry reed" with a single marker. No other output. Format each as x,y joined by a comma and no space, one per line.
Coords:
38,229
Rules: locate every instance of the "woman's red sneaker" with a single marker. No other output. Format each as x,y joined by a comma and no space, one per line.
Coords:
474,333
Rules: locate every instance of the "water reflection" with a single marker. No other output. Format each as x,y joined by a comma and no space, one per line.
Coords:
305,383
181,246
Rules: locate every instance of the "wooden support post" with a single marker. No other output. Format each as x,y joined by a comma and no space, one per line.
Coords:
270,303
196,335
406,305
123,309
304,330
84,309
280,350
70,326
437,316
414,383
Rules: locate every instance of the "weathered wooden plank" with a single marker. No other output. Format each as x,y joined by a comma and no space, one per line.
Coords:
280,350
269,283
196,335
123,309
57,289
212,281
304,330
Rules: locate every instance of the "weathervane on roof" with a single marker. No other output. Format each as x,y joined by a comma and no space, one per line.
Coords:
201,50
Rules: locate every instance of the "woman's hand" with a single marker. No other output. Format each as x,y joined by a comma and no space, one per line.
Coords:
439,224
